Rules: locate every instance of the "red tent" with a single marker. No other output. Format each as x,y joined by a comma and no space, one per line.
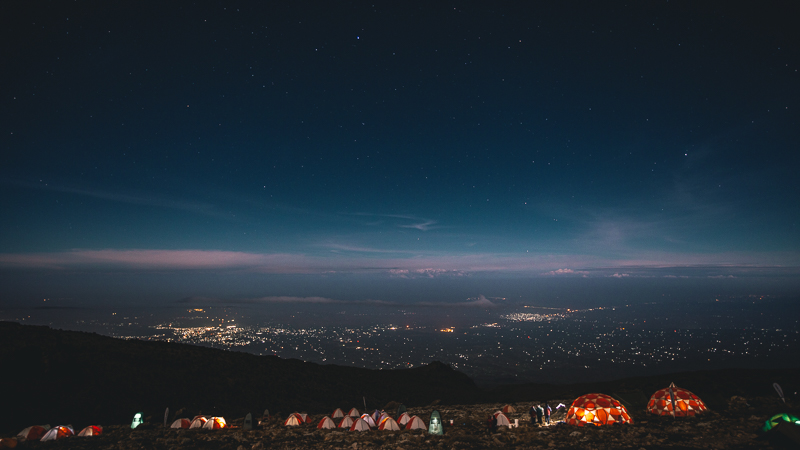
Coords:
597,409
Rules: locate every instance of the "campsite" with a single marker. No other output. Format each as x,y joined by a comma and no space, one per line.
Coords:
134,382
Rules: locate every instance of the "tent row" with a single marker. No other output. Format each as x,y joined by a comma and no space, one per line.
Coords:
365,422
45,433
204,422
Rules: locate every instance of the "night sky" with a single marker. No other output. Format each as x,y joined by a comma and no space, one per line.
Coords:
398,152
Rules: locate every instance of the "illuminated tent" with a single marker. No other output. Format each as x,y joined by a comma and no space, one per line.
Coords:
359,425
383,416
58,432
215,423
181,423
337,414
502,420
91,430
198,422
777,419
436,426
403,419
676,402
388,424
354,413
326,423
370,421
416,424
346,422
138,419
597,409
33,433
508,409
294,420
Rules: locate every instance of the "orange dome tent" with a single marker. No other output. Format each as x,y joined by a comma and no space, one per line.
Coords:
597,409
676,402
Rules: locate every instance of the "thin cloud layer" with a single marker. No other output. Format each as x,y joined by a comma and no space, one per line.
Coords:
430,265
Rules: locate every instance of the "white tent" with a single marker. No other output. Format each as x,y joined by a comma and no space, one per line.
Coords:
354,413
337,414
370,421
215,423
389,424
346,422
359,425
293,420
181,423
502,420
326,423
33,433
91,430
58,432
403,419
198,422
416,424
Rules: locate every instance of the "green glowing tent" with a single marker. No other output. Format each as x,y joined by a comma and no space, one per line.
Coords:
436,426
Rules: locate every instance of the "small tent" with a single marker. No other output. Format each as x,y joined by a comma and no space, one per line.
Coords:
359,425
33,433
676,402
346,422
403,419
508,409
436,426
138,419
215,423
415,423
293,420
58,432
198,422
247,425
181,423
389,424
326,424
502,419
354,413
597,409
337,414
370,421
91,430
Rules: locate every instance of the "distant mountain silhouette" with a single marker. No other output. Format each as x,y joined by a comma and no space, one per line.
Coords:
54,376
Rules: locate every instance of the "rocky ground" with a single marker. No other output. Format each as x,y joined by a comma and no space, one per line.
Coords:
735,427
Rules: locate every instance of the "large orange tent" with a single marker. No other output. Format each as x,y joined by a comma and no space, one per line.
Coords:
676,402
597,409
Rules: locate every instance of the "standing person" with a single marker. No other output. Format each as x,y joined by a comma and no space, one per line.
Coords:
547,412
539,414
532,413
491,423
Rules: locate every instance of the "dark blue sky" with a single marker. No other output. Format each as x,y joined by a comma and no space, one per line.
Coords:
399,151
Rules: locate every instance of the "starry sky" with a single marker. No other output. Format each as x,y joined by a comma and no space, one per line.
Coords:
397,152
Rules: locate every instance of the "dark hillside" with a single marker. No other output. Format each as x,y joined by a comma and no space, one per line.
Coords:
73,377
53,376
